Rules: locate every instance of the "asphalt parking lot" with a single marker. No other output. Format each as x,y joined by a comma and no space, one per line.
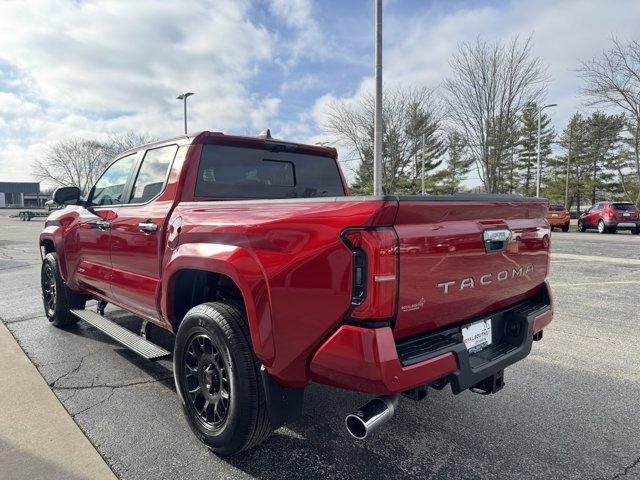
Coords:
570,410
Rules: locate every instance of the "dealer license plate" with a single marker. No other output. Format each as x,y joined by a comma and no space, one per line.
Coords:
477,335
555,215
622,224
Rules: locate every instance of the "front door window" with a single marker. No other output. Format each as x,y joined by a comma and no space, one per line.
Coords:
110,189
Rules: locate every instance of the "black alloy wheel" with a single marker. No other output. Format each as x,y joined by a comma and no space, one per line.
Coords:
207,381
49,290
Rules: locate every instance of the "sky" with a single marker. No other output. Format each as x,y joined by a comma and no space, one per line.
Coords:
87,69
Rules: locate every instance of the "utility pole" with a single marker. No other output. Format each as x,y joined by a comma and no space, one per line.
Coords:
377,129
183,97
566,180
422,164
538,163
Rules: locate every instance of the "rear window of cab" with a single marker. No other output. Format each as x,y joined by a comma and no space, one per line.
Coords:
236,172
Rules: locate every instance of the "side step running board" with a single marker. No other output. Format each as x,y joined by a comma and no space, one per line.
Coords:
127,338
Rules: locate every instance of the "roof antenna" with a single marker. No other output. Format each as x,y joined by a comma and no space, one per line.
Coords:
265,133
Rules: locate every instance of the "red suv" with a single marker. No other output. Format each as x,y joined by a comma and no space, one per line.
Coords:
608,217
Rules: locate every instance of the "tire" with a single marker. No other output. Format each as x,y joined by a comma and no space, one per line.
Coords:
581,227
244,422
58,299
635,231
602,228
565,228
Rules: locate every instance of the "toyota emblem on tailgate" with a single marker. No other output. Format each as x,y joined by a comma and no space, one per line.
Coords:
496,240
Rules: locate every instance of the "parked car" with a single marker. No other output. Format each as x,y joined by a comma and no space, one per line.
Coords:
270,276
609,217
558,217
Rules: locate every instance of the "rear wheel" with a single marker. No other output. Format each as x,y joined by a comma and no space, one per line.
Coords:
57,298
635,231
218,379
602,228
565,227
581,227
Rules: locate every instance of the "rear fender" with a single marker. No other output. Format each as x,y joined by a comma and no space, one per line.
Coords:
241,267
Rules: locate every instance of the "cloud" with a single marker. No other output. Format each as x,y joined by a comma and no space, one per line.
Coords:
91,68
307,40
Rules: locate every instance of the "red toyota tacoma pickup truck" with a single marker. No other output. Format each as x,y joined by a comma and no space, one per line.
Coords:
250,251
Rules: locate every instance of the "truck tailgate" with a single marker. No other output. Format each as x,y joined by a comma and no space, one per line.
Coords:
447,276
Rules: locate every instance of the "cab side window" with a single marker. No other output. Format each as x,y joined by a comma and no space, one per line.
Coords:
110,189
153,173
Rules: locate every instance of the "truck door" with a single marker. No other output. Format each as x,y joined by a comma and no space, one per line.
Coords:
90,256
137,234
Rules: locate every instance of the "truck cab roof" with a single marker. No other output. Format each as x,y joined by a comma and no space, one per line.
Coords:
220,138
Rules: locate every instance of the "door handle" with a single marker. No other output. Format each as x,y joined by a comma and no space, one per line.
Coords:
147,227
103,224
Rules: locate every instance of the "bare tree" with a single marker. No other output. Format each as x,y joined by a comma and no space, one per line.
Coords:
121,142
73,162
411,129
613,79
80,162
490,84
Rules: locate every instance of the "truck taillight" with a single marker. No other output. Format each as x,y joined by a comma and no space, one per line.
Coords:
375,272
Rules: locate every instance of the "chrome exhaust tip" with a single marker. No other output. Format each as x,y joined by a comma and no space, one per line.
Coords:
371,416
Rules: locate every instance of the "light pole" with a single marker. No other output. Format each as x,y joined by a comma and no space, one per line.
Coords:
183,97
538,163
377,128
422,173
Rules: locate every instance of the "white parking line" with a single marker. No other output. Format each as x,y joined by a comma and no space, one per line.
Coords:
621,282
593,258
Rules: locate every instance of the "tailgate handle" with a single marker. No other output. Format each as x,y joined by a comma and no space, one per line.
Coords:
496,240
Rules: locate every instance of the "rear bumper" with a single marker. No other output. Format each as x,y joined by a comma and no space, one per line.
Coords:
558,222
622,224
369,359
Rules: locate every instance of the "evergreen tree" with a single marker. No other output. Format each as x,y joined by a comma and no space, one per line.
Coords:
527,149
567,173
626,163
603,140
459,162
411,131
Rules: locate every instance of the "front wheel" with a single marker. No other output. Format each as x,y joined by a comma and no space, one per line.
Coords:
218,379
565,228
57,298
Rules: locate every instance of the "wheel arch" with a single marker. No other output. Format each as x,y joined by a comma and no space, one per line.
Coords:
50,242
191,278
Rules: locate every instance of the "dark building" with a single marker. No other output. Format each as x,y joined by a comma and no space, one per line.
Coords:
21,194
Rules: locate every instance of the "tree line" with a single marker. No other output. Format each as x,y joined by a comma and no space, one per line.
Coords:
483,121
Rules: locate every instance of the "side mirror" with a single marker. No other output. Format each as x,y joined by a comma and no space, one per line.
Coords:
66,195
